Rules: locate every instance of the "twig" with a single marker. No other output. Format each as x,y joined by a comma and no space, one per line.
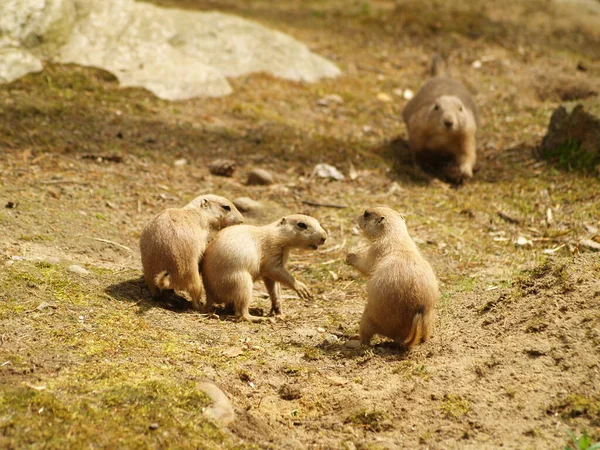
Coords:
508,218
371,69
113,243
325,205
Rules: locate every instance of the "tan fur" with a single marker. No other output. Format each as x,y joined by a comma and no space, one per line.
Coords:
241,254
442,123
402,289
173,243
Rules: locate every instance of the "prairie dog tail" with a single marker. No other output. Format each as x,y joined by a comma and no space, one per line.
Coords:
420,330
438,66
163,280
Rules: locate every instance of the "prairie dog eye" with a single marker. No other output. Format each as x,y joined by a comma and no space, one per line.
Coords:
226,207
460,109
436,107
302,225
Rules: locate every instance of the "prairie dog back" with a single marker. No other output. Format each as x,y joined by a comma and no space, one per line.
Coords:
402,289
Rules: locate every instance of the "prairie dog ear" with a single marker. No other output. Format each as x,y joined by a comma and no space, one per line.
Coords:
381,219
282,221
204,203
402,217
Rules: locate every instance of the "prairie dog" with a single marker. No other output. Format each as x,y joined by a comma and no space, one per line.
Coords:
173,243
241,254
402,289
442,123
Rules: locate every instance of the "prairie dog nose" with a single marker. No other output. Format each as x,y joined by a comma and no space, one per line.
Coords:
323,240
448,123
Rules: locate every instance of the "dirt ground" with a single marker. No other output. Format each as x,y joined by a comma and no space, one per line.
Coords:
90,361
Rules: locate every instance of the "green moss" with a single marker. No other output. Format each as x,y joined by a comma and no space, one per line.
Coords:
576,405
370,420
455,407
571,156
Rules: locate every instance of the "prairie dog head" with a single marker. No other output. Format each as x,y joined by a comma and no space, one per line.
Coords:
382,221
301,231
447,114
219,211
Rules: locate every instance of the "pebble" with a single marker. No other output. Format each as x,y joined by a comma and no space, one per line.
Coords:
78,270
290,392
383,97
246,204
221,410
180,162
330,99
330,339
353,344
222,167
53,260
153,426
260,177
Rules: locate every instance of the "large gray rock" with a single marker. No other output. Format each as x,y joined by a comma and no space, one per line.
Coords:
175,54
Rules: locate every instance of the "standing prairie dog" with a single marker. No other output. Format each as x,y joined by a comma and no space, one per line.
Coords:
241,254
402,289
173,243
442,123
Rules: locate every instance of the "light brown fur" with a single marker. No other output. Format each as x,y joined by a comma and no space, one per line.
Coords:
402,289
241,254
173,243
442,123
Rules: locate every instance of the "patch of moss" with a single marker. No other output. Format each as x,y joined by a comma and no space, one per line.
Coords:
370,420
455,406
571,156
576,405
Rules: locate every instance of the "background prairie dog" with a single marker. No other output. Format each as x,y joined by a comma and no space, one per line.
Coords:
173,243
442,123
239,255
402,289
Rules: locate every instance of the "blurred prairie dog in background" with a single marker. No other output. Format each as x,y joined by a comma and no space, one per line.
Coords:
402,289
239,255
173,243
442,124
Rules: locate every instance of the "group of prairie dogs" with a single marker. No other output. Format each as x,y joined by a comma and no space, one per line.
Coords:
178,253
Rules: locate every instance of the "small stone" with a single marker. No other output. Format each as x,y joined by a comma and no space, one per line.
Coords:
222,167
53,260
330,99
290,392
153,426
45,305
321,330
408,94
246,204
383,97
330,339
221,410
353,344
539,349
260,177
476,64
78,270
327,171
180,162
523,241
